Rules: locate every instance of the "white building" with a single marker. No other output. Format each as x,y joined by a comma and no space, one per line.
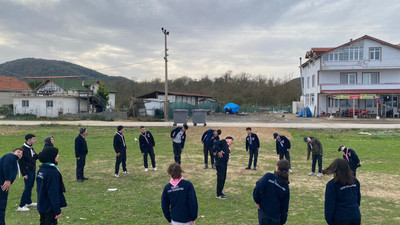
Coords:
360,77
60,96
155,100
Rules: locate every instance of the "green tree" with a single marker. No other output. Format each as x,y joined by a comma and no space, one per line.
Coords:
34,84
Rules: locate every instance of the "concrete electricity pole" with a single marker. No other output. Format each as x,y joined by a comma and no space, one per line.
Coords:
166,74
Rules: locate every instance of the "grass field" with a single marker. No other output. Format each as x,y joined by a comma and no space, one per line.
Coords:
137,200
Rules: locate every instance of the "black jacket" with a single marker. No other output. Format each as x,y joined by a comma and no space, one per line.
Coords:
352,158
209,139
314,146
146,141
80,146
282,145
255,143
175,131
47,143
221,146
119,143
28,161
8,168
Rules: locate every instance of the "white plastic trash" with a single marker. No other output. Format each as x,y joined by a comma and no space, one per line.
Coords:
112,189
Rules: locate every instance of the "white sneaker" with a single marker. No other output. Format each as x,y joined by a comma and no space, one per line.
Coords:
116,175
146,169
33,204
155,168
290,171
22,209
311,173
319,175
125,172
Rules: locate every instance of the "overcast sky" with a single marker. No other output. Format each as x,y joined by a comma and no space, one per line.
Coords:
207,37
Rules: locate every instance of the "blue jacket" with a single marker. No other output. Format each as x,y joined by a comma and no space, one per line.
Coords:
342,201
282,145
175,131
353,158
8,168
255,143
80,146
221,146
179,203
272,194
50,190
208,138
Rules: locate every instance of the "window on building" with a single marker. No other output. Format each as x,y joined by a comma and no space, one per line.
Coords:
308,82
374,53
347,78
313,81
352,53
370,78
312,99
307,99
49,103
25,103
371,103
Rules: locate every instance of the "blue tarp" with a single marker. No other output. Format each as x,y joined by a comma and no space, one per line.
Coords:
231,108
305,111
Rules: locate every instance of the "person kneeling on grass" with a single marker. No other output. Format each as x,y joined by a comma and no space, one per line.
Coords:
178,200
50,188
342,195
272,194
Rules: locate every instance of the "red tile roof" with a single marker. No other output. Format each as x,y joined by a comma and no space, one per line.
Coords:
12,84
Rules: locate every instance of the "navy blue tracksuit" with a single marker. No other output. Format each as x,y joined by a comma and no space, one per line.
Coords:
27,165
178,146
179,203
50,189
342,203
8,171
81,151
272,194
252,145
209,140
282,146
120,147
221,164
351,157
146,143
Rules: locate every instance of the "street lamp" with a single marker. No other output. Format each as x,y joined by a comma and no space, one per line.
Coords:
166,33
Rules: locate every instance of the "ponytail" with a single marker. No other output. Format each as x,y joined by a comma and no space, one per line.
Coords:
282,172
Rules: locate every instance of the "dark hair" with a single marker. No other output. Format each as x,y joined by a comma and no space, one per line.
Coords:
82,130
16,149
219,132
185,126
283,167
229,137
249,128
341,170
141,127
29,136
120,127
175,170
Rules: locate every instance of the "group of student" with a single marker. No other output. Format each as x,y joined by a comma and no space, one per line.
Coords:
179,201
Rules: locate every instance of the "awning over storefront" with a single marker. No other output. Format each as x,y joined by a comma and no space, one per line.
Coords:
355,96
363,91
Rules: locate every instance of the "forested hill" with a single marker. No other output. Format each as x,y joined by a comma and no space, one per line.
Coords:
31,67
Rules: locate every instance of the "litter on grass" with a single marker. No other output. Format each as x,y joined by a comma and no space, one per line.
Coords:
112,189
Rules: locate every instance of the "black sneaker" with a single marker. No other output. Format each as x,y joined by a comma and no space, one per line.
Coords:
247,168
85,178
255,168
79,180
205,166
221,196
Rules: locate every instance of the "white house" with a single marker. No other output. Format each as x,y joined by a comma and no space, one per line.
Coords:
360,77
155,100
60,96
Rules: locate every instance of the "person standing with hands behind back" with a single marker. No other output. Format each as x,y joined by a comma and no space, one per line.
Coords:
120,150
283,148
27,165
81,151
146,144
252,147
178,137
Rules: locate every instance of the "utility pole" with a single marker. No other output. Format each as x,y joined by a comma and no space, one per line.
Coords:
166,33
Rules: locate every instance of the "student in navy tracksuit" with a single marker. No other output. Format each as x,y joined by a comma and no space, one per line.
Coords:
146,143
209,138
252,147
178,137
222,151
272,194
283,148
120,149
50,188
342,195
81,151
178,200
351,157
27,165
8,173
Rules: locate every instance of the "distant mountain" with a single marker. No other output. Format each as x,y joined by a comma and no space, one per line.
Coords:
31,67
